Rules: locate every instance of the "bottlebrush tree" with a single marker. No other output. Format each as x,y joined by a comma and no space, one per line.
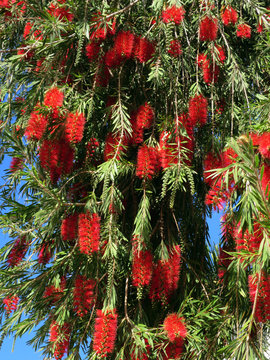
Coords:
126,124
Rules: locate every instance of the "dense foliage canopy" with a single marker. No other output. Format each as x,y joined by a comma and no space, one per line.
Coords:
128,122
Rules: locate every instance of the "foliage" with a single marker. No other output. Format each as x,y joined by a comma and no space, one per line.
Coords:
128,122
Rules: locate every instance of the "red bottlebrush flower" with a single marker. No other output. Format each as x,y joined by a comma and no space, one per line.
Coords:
124,44
144,50
59,336
147,162
56,157
166,276
256,138
92,50
168,151
261,24
220,54
142,266
105,332
228,157
54,98
144,116
112,59
17,252
10,303
89,233
36,126
262,289
173,14
113,148
4,4
44,254
60,12
173,350
266,177
175,327
197,110
264,145
69,227
16,164
217,198
74,127
55,293
208,29
83,295
175,48
243,31
202,60
25,52
100,30
28,32
246,241
210,72
211,162
229,16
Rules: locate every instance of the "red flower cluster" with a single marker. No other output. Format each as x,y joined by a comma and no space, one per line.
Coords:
261,24
105,332
56,156
170,147
44,255
175,327
36,126
147,162
243,31
264,145
142,266
59,336
175,48
83,295
74,127
101,29
173,14
92,50
69,227
144,50
197,110
173,350
166,276
144,117
266,178
10,303
220,53
89,233
112,147
229,16
126,46
54,294
17,252
246,241
210,69
16,164
208,29
60,12
262,309
54,98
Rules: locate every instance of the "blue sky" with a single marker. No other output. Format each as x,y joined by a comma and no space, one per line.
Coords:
25,352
